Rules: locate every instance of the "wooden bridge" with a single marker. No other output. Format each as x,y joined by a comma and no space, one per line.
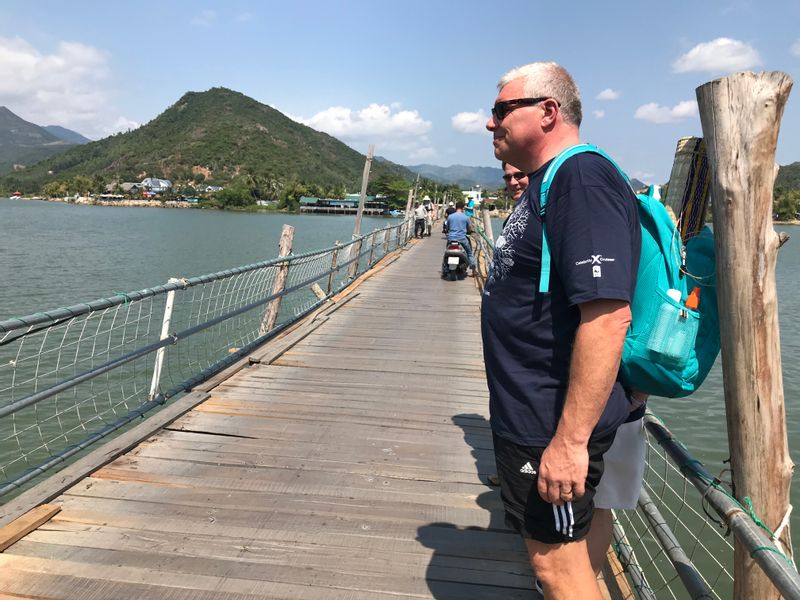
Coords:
347,459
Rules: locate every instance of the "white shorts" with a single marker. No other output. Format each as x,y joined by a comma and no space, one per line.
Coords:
623,469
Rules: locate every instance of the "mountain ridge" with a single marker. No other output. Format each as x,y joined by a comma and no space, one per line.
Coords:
24,143
215,136
68,135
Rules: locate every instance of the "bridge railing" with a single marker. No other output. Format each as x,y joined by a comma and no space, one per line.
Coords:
73,376
676,543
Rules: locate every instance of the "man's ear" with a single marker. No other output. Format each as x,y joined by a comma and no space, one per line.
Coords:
551,109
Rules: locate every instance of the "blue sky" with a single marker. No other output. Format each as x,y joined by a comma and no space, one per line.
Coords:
415,78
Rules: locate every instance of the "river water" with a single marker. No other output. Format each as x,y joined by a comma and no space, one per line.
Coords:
54,255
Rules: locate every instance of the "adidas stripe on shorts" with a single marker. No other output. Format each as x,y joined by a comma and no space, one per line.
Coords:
526,511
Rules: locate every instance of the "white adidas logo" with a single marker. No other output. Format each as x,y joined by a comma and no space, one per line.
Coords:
528,469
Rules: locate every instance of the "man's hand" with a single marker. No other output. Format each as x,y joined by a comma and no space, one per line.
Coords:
562,471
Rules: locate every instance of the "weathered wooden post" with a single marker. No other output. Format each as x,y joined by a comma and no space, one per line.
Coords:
355,256
487,224
371,248
385,242
161,352
741,117
334,258
284,249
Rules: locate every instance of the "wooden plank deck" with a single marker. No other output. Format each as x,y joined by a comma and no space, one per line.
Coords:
351,466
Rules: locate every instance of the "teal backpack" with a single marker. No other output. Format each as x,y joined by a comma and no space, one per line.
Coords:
673,339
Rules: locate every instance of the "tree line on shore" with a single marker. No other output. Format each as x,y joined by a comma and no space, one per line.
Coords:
244,191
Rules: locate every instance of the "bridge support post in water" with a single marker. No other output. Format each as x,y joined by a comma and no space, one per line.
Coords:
741,117
284,249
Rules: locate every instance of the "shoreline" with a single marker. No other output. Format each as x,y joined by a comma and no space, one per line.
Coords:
131,203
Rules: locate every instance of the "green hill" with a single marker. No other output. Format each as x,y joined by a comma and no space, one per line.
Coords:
788,177
216,137
23,143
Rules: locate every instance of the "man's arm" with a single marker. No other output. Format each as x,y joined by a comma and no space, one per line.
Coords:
596,355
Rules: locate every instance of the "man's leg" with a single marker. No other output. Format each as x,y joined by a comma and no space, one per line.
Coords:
465,243
599,538
564,570
555,535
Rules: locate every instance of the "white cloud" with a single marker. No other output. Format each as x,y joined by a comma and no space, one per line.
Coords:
121,124
425,153
795,49
719,55
375,119
599,114
470,122
68,87
206,18
655,113
245,17
386,126
607,94
643,176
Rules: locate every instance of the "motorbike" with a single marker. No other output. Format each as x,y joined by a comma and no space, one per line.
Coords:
454,265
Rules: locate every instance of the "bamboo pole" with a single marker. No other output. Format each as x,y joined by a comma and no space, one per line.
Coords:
741,117
404,226
363,196
284,249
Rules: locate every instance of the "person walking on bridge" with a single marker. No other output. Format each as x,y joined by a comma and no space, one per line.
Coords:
420,215
552,358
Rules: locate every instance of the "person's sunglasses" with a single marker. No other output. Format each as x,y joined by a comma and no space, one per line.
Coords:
501,108
518,176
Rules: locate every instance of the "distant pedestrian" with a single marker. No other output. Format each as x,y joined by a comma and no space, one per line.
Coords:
420,216
470,207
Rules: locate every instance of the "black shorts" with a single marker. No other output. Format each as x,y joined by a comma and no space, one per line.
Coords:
526,511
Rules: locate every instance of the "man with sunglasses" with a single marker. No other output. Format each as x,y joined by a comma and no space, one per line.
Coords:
516,181
552,358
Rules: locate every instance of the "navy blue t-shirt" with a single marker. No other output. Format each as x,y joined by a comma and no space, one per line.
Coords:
595,242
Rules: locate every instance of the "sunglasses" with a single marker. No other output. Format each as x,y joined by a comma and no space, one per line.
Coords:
501,109
518,176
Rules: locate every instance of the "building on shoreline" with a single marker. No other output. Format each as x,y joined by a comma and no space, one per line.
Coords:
373,205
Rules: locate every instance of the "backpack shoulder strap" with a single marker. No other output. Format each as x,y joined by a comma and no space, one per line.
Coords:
547,180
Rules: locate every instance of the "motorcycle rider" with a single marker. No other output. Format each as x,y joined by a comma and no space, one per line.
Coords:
458,228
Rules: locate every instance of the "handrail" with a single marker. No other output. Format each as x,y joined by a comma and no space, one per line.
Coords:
182,284
72,376
776,566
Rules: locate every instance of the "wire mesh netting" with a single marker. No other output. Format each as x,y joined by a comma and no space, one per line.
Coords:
72,376
671,504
